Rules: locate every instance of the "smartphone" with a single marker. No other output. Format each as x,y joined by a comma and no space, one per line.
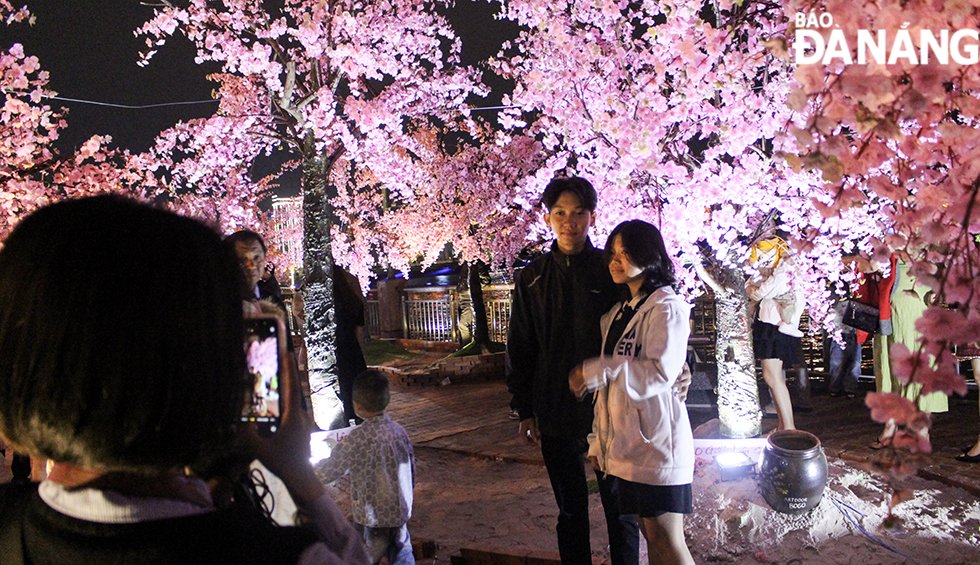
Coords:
265,345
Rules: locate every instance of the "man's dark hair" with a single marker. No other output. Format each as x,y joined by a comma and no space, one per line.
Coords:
245,236
576,185
645,246
120,336
371,390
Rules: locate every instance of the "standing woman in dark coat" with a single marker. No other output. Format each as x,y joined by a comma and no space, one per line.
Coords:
349,308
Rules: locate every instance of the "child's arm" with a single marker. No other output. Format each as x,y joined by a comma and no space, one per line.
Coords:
338,464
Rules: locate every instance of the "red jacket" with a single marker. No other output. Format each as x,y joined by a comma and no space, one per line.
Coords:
876,290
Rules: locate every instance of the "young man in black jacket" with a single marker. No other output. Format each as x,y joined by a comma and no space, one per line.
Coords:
554,325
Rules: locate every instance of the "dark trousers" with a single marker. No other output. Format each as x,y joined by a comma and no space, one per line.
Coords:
845,365
565,460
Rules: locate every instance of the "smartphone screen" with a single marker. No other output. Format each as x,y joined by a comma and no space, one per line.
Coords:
262,350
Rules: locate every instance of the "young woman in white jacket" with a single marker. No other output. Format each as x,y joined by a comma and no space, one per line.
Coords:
777,307
641,434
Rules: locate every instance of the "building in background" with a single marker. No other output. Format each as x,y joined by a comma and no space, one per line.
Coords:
286,239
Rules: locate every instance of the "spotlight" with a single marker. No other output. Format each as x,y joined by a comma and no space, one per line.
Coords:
734,465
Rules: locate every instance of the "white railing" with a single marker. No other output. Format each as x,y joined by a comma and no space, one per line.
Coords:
430,319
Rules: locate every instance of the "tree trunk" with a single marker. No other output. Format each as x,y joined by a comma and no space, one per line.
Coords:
481,333
738,393
321,327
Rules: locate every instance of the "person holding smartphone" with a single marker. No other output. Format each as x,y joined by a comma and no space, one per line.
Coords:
126,391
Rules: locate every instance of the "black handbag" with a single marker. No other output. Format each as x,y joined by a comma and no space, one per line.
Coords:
861,316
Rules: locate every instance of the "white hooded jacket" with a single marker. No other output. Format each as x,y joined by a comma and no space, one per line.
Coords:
641,430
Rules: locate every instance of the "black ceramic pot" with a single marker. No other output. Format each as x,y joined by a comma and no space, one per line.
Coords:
793,472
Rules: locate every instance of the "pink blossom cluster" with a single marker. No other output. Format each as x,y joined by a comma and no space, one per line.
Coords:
350,82
477,202
204,165
902,140
672,115
32,173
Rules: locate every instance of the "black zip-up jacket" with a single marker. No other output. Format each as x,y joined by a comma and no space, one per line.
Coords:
554,325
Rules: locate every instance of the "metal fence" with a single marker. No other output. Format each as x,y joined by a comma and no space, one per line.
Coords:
498,319
372,317
436,316
430,319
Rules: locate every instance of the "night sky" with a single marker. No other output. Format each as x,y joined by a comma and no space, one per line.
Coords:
90,51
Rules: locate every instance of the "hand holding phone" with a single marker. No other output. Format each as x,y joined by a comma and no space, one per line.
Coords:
265,348
287,452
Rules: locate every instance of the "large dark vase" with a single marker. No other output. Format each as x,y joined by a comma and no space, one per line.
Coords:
793,472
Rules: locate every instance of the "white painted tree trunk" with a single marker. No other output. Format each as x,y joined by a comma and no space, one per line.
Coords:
738,393
321,327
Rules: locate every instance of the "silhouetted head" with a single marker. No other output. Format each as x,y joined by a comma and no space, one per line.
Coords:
120,336
371,390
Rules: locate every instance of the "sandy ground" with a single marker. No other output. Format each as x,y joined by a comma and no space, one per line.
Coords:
463,501
466,501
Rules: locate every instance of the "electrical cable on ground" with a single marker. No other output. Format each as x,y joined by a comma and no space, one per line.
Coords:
842,508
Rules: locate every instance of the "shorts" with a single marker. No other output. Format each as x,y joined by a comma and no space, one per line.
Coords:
650,501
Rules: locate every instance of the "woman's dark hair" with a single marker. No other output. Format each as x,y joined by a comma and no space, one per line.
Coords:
576,185
120,336
645,246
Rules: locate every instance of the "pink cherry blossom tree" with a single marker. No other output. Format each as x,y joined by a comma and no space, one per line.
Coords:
483,194
341,85
206,164
32,172
672,109
902,136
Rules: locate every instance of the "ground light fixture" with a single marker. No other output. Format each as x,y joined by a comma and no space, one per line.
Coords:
734,465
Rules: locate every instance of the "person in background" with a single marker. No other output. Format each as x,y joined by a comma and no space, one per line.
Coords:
971,455
380,459
776,327
901,304
349,308
250,249
844,360
259,296
641,434
127,392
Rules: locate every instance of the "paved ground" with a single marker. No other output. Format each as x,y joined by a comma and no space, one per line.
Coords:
459,423
473,419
